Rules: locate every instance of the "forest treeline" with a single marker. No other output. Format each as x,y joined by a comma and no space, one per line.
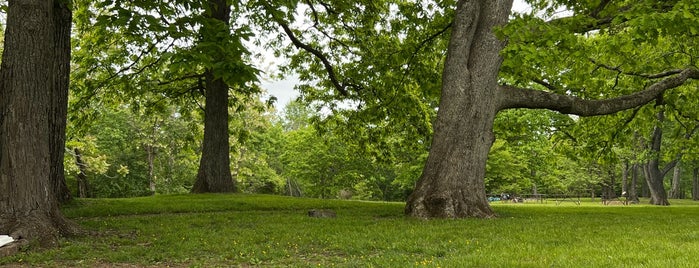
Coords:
129,151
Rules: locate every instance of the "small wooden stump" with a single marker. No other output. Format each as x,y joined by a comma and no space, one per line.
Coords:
321,213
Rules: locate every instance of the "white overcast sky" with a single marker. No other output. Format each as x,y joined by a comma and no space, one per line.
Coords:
284,90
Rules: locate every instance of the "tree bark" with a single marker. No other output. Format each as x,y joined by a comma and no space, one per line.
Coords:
59,98
645,191
28,205
452,185
83,183
150,155
214,168
214,173
633,193
676,188
655,176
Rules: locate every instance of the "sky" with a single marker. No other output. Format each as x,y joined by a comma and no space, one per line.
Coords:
284,90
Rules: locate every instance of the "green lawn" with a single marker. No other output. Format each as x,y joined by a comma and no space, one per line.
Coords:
259,230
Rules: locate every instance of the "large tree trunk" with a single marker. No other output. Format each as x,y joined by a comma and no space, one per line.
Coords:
214,168
59,99
676,188
214,173
654,175
28,203
452,185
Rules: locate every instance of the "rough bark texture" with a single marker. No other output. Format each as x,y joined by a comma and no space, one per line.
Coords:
28,205
214,168
59,99
452,185
536,99
214,173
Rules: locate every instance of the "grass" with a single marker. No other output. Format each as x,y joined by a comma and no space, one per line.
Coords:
258,230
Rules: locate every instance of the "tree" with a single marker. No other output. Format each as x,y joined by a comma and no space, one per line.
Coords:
34,39
59,97
492,66
214,168
142,52
451,184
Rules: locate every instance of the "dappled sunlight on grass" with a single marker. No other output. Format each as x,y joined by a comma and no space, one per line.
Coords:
247,230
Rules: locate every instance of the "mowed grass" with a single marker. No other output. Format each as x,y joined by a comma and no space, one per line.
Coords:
224,230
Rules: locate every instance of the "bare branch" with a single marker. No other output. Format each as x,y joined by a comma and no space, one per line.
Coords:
545,84
596,22
328,67
649,76
514,97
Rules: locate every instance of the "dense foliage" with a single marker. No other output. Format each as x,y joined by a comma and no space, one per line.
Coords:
136,117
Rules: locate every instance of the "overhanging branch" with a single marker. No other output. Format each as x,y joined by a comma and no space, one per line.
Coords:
514,97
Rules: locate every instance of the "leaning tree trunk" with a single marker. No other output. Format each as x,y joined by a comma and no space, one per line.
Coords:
214,173
59,99
28,204
452,185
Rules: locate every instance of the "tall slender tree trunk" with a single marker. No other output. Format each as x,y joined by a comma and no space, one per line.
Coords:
214,173
676,188
28,204
151,151
625,179
611,191
83,183
645,191
59,99
452,185
695,184
633,193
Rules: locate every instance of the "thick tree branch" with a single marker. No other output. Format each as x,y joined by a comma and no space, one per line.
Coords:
514,97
